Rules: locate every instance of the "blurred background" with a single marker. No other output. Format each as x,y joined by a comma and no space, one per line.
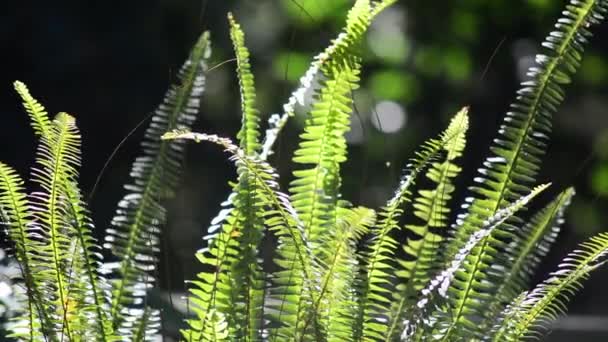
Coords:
110,62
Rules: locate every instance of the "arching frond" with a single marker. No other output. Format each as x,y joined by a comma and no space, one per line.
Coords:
337,300
529,246
234,288
380,270
134,236
58,159
18,221
515,161
529,315
432,209
422,322
339,51
280,218
38,116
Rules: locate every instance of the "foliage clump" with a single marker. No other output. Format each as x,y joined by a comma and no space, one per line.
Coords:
339,271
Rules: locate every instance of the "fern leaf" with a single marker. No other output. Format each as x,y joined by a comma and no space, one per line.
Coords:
380,271
529,315
249,134
58,158
516,159
431,207
525,252
337,301
422,321
133,237
281,218
18,220
358,21
82,227
38,115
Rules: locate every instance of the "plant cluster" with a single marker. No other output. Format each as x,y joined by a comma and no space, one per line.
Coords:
338,271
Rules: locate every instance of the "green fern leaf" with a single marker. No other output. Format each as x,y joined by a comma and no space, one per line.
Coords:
18,220
431,207
423,320
133,237
38,116
57,163
529,246
380,271
515,162
281,218
358,21
530,314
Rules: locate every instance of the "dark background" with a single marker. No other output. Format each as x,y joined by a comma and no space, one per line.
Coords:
110,62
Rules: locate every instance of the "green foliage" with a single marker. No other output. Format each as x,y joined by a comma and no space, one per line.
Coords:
337,271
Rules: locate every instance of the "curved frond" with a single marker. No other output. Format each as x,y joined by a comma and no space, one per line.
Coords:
337,300
38,116
515,160
134,236
58,158
380,270
529,315
18,221
529,246
281,218
431,207
358,21
437,295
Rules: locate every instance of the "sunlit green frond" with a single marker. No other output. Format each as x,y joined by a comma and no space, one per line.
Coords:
380,271
525,252
339,51
83,269
280,217
134,236
423,321
18,221
249,134
515,160
530,316
58,159
38,116
337,300
431,207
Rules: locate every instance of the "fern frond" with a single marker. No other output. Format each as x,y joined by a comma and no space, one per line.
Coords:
431,207
515,160
249,134
247,283
422,321
134,236
337,299
530,315
38,116
18,221
380,271
525,252
58,158
281,218
358,21
94,303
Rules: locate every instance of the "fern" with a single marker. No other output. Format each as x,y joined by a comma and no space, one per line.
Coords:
15,208
515,161
339,272
529,315
133,238
525,252
380,269
431,206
